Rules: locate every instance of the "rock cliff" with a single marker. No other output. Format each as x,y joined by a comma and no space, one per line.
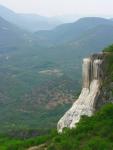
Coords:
86,103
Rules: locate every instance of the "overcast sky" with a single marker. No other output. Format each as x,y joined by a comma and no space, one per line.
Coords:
62,7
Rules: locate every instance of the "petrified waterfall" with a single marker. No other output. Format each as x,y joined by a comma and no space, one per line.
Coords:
85,104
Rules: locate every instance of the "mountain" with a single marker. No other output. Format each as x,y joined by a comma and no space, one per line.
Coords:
72,31
11,37
33,22
30,22
41,78
83,37
31,80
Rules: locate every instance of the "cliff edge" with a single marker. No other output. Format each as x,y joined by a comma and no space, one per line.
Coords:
86,103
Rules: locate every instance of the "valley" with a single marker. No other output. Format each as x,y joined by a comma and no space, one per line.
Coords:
40,72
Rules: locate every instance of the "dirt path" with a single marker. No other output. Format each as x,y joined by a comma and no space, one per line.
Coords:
40,147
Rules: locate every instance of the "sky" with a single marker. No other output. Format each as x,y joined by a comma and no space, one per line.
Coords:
62,7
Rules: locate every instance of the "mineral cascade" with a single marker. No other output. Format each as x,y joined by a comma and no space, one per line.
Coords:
86,103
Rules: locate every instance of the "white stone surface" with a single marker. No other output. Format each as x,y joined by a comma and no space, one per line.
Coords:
85,104
86,70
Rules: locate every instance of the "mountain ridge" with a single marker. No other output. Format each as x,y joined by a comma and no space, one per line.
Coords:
71,31
29,22
11,36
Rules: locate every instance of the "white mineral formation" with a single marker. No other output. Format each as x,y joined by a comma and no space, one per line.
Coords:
85,104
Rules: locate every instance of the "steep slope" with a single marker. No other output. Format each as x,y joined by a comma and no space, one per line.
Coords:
91,133
11,37
95,92
30,22
85,104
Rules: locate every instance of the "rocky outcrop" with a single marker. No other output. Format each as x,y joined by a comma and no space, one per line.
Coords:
86,103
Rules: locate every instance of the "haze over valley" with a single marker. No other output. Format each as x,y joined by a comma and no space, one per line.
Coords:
40,65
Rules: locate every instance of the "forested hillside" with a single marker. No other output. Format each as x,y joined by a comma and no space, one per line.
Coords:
94,132
42,79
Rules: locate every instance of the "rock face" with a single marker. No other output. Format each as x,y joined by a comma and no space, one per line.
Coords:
86,103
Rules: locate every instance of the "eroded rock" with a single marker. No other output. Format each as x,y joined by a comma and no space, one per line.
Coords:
85,104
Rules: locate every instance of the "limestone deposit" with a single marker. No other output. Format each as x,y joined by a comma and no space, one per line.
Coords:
86,103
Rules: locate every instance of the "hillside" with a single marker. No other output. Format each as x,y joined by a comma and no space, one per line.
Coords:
91,133
66,33
31,77
11,37
39,79
30,22
94,132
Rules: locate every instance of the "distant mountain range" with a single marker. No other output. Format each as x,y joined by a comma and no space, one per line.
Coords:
72,32
11,37
30,22
40,72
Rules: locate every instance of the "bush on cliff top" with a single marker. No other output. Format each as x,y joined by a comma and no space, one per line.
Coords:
108,49
109,66
92,133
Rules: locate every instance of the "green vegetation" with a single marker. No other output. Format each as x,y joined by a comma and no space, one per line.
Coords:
109,59
108,82
91,133
108,49
94,133
7,143
28,97
25,93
